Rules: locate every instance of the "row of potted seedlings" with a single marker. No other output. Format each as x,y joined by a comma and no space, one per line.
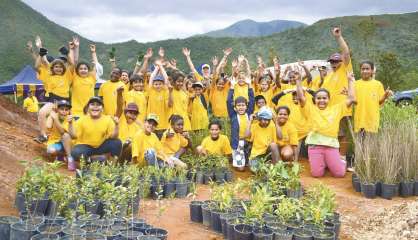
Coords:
100,203
267,212
206,169
386,163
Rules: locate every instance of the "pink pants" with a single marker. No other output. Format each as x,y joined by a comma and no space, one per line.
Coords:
322,157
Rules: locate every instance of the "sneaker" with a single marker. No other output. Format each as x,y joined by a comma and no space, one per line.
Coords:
41,138
71,164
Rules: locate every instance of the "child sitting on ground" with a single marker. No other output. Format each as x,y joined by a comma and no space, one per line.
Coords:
216,143
175,141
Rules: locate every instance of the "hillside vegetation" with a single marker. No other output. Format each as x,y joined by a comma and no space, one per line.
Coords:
390,40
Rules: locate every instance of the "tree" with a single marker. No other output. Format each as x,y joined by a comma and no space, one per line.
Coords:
389,70
367,30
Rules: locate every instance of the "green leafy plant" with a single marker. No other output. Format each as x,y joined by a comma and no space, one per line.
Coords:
288,209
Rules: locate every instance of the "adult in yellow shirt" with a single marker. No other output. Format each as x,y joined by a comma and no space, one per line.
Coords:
263,137
31,103
336,82
108,91
175,140
216,143
61,133
97,133
180,101
147,148
138,96
370,95
322,140
83,84
287,135
198,106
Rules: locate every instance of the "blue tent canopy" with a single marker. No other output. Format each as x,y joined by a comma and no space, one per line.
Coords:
26,77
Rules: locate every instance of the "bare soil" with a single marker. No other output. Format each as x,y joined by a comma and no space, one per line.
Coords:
361,218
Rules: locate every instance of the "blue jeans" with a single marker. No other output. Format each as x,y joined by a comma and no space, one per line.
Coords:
150,157
111,145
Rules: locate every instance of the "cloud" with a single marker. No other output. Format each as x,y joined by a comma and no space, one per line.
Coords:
116,21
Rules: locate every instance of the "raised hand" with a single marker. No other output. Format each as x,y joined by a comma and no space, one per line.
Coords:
186,52
234,63
350,76
241,58
215,61
29,46
259,60
227,51
76,41
336,32
276,60
173,62
38,42
92,48
161,52
148,54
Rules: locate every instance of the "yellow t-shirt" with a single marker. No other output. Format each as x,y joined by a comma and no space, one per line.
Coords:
127,131
180,106
199,115
243,124
54,135
171,145
315,83
140,98
217,100
108,91
57,84
82,90
290,135
158,105
31,104
262,138
325,122
221,146
241,91
142,142
335,82
367,109
94,132
302,125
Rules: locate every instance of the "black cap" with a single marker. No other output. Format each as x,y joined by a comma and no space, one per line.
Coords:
62,103
63,50
50,58
95,100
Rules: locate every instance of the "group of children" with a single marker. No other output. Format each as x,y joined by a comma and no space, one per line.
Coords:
147,116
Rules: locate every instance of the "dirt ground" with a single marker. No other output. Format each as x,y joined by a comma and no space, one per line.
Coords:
16,143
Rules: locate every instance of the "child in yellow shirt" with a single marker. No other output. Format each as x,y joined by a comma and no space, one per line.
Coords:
31,103
287,135
180,100
175,140
198,108
138,96
61,133
108,91
370,95
216,143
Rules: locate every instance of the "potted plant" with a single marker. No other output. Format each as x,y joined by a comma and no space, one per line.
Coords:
293,185
181,183
170,183
5,222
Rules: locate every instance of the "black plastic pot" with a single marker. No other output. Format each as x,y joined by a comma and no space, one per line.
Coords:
215,223
162,234
243,232
356,183
5,222
22,231
368,190
229,176
378,188
224,218
389,190
55,220
294,193
50,228
182,189
199,177
42,236
293,224
37,206
169,188
416,188
95,207
230,224
67,237
110,234
95,236
276,226
220,176
406,189
90,228
206,215
302,234
196,211
262,234
208,177
156,190
74,231
324,235
130,235
283,235
146,237
135,224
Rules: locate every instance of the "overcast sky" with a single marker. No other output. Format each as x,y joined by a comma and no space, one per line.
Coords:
121,20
